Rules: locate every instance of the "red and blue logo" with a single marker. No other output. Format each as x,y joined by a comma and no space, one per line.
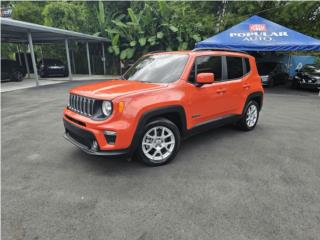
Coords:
257,27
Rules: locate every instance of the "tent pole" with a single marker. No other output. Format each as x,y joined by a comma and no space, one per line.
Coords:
289,64
34,65
18,50
68,59
75,47
41,52
103,59
26,62
88,58
73,63
93,65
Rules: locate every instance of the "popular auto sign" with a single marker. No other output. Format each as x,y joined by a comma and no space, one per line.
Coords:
258,32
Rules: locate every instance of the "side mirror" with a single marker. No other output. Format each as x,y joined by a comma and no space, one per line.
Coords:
205,78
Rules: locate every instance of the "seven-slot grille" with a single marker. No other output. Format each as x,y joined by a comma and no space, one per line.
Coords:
82,105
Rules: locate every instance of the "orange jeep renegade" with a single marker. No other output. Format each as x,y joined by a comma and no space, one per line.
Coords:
162,99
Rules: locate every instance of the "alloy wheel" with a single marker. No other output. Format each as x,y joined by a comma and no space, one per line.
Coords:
19,76
252,115
158,144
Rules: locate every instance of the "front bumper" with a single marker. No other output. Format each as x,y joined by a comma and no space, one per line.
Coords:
56,71
310,85
85,141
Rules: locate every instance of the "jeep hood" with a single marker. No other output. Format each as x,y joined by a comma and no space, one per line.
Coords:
111,89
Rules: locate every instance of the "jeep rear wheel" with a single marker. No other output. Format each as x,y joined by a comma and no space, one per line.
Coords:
160,142
250,116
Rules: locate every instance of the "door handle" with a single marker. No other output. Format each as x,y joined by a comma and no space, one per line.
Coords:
221,90
246,86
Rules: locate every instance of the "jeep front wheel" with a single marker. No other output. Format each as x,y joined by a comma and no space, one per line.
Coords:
160,142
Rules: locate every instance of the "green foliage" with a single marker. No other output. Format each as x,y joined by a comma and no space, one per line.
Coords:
306,17
66,15
150,26
28,11
8,50
101,16
137,27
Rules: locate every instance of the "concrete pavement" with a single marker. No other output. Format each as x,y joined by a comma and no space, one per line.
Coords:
224,184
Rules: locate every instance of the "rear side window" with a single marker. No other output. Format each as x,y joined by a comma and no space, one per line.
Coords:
235,67
207,64
246,68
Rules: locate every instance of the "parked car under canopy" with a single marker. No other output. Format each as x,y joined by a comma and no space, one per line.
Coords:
272,73
307,77
52,67
11,71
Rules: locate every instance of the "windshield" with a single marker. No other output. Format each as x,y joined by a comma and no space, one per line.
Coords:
312,69
265,68
52,62
158,68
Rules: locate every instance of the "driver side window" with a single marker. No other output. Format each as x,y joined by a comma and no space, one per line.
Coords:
207,64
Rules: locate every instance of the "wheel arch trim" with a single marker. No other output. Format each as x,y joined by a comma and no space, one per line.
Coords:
253,96
158,112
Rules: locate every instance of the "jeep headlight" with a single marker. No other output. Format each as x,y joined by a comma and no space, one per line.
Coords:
107,108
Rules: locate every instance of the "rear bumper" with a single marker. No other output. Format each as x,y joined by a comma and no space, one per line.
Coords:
85,141
265,80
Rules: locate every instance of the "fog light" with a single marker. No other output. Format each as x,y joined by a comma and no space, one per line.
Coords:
110,137
94,146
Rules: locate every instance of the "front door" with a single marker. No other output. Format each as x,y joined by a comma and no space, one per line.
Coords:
207,102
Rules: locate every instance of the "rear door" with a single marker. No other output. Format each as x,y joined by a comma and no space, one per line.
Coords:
236,82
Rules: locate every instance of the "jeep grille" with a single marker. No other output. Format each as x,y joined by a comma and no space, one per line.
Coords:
81,105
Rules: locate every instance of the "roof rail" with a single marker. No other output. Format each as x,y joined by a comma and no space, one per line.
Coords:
157,51
218,49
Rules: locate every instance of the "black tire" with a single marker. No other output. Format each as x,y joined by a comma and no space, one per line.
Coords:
243,123
159,122
294,84
66,74
43,74
17,76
